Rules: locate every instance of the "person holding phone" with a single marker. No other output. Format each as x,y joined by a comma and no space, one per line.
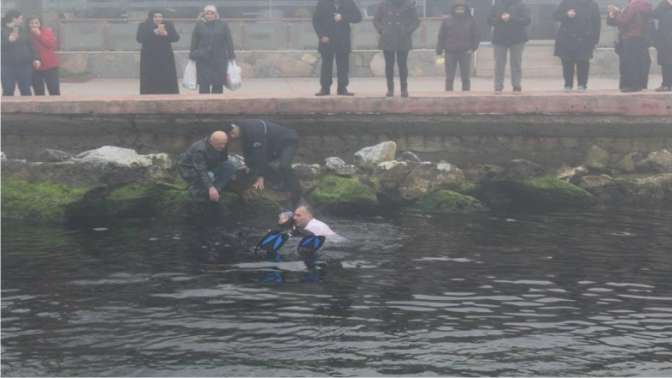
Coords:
18,56
158,74
45,44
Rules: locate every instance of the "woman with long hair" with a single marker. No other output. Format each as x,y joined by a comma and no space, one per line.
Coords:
44,43
157,61
18,56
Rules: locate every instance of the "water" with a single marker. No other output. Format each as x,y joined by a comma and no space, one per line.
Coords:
558,294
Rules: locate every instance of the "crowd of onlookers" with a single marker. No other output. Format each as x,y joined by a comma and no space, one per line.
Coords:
29,60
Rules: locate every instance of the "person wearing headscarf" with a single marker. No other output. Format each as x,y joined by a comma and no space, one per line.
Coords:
18,56
459,37
509,20
212,49
45,44
395,21
663,42
157,61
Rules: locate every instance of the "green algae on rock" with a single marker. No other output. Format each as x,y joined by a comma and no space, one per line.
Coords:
334,191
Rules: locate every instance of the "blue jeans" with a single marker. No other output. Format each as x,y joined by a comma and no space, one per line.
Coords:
13,75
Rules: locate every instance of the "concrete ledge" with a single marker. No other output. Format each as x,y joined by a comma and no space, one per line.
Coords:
593,103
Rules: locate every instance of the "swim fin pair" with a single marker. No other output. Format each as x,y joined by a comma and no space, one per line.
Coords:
275,239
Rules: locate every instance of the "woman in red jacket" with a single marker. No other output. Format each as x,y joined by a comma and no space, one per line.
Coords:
44,43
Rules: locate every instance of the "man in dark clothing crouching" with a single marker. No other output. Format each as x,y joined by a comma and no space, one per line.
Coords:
262,143
205,166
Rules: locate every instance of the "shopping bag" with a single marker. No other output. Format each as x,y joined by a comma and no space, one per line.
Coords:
189,80
234,78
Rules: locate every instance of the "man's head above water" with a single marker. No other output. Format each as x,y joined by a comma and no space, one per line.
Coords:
218,140
303,215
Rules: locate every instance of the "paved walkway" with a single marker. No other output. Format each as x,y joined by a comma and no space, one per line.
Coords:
363,87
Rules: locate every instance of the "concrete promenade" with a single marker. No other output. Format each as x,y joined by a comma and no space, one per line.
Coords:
296,97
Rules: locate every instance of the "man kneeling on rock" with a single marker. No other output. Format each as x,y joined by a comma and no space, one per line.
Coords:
263,142
205,166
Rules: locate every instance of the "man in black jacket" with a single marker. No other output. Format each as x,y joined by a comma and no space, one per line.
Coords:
205,166
263,142
509,20
332,21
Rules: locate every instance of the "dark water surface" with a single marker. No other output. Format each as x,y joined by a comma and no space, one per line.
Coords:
557,294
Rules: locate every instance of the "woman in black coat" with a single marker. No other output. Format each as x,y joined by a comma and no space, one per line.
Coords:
395,21
577,37
663,42
157,62
18,56
211,48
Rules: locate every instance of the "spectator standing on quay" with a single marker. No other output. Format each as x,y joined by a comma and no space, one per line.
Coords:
331,21
579,33
211,48
44,43
509,20
395,21
157,62
663,42
18,56
634,29
459,37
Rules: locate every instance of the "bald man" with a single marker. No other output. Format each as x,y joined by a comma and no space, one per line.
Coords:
305,221
206,166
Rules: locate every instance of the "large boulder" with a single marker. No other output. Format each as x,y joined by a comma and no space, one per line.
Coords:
122,157
51,155
369,157
343,193
572,175
549,192
427,177
307,174
37,202
653,190
521,169
603,187
390,175
656,162
339,166
447,201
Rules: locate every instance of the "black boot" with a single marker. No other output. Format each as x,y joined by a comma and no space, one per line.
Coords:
390,88
449,85
466,85
404,89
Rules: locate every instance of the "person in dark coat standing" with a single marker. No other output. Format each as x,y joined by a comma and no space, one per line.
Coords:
395,21
663,42
263,142
509,20
579,33
212,49
459,37
157,61
634,39
45,44
331,21
18,56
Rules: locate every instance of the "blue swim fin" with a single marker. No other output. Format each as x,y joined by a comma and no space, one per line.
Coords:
308,247
272,242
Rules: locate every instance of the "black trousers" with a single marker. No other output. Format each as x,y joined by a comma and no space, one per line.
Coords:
582,69
401,58
50,78
342,69
634,63
454,59
667,74
13,76
221,176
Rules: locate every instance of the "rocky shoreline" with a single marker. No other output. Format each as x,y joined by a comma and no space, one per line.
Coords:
114,182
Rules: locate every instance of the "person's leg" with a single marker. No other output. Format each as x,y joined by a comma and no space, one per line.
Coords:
631,72
196,189
219,88
500,65
25,80
465,70
8,81
568,73
402,61
38,82
450,66
583,70
326,71
53,82
204,87
389,71
645,64
517,66
224,173
343,69
667,75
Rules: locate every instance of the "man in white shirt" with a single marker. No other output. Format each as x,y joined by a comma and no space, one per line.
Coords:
304,221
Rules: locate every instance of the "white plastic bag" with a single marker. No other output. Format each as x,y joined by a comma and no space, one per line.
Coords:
234,78
189,80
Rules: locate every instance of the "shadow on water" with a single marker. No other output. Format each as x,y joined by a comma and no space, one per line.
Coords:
567,293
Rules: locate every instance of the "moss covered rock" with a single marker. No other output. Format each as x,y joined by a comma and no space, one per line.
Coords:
447,201
38,201
334,191
551,192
